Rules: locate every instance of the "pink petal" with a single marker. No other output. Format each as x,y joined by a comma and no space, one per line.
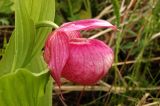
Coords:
86,25
73,34
88,62
56,49
46,53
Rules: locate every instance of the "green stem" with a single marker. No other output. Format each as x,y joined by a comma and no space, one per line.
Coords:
47,24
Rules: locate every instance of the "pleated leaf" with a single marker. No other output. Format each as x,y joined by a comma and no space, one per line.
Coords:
23,88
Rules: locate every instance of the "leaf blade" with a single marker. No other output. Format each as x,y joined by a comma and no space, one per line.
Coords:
31,87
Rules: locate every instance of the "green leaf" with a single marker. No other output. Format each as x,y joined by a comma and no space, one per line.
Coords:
21,41
20,87
27,41
42,10
24,35
23,88
46,100
37,64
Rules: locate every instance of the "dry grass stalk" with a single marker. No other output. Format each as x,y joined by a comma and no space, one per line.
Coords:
113,89
143,99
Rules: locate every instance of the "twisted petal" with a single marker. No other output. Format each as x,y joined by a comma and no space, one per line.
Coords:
56,53
86,25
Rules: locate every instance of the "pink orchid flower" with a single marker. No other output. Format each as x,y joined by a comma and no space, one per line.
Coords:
80,60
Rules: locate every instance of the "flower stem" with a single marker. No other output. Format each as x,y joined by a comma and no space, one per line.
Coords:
47,24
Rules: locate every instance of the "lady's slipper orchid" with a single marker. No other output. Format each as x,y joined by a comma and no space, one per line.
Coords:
80,60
